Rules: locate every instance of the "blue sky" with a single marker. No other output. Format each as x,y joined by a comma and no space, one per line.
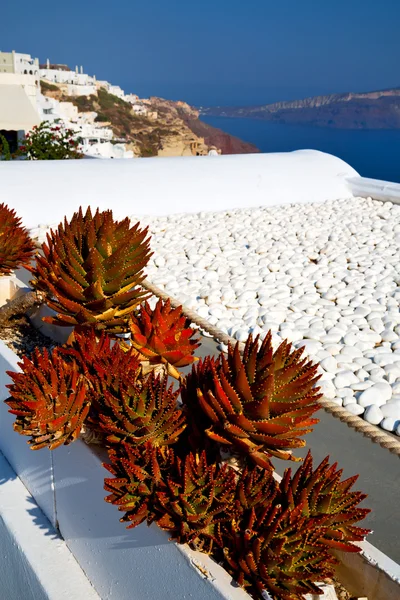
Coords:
215,51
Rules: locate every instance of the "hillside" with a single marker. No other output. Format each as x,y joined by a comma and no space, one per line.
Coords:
367,110
169,129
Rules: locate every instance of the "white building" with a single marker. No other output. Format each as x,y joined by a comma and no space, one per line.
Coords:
18,109
116,91
27,82
108,150
139,109
81,89
61,74
22,64
66,114
53,110
131,98
78,83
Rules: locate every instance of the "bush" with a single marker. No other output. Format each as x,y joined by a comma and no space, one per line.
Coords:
101,118
45,86
47,142
84,103
5,153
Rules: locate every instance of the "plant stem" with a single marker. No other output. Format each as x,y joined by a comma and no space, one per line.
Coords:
19,305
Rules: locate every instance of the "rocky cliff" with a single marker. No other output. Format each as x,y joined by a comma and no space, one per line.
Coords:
168,129
368,110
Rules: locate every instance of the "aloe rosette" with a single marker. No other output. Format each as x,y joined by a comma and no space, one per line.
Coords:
197,498
16,246
259,404
140,411
137,473
283,535
49,399
91,270
163,336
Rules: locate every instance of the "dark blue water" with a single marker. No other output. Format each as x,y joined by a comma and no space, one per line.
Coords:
373,153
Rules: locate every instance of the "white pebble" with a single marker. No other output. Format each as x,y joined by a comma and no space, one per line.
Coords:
373,414
329,364
378,394
345,379
355,409
389,423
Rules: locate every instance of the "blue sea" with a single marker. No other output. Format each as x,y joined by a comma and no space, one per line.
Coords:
372,153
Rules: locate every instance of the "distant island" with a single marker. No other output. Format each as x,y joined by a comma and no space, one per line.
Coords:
367,110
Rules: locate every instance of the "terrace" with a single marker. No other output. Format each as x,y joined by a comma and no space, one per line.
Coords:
295,243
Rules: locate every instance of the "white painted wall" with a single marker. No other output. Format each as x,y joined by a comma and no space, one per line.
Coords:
81,90
28,82
35,562
116,91
160,186
61,76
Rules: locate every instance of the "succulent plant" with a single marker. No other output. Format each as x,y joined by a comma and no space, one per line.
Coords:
163,335
91,269
100,359
260,404
328,500
278,551
103,364
283,535
138,472
49,399
16,247
197,498
140,411
256,487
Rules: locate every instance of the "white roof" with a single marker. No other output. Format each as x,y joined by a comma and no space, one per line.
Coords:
164,186
16,110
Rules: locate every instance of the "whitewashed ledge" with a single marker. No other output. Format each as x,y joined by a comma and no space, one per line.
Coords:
67,485
386,191
46,191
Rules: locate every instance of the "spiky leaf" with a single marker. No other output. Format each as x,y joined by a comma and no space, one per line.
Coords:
139,411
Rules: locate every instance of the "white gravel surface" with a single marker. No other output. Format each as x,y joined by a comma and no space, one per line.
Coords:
324,276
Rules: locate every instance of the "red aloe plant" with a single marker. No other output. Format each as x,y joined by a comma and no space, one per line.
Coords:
163,335
260,404
197,498
283,534
101,360
140,412
91,269
138,472
327,500
49,399
16,247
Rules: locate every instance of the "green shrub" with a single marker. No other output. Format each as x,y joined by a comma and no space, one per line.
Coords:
47,142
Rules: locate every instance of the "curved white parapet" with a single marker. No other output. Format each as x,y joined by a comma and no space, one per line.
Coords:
45,191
